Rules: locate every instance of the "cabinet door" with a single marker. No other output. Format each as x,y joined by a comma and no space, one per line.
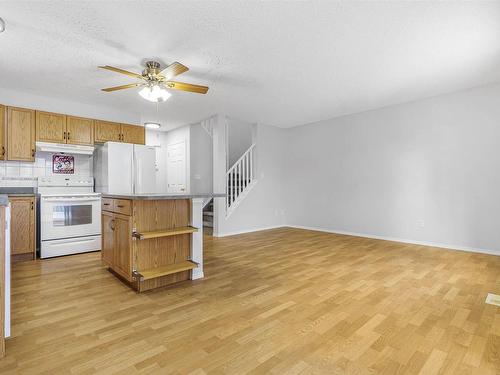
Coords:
133,134
108,237
22,225
50,127
123,246
2,131
20,134
80,131
105,131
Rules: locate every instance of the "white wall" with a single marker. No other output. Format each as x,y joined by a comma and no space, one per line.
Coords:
265,206
67,107
426,171
239,139
201,160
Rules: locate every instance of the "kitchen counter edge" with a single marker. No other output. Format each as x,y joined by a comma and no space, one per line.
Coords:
161,196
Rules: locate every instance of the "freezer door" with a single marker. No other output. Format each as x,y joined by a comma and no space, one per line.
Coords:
144,169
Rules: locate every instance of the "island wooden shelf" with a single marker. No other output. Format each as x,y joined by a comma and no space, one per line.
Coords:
164,233
165,270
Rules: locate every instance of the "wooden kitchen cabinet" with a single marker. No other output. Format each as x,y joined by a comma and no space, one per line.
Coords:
117,242
3,115
50,127
79,131
123,245
105,131
20,134
108,237
133,134
22,227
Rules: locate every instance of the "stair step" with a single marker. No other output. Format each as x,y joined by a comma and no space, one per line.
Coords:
165,270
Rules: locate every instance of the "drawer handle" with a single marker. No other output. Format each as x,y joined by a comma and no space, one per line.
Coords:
120,206
106,204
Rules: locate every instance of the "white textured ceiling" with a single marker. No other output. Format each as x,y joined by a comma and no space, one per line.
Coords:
279,63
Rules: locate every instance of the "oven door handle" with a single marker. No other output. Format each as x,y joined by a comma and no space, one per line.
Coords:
70,200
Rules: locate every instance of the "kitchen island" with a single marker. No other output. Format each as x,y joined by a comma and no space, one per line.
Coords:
153,240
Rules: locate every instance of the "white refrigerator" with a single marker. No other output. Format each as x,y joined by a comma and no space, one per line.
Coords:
124,168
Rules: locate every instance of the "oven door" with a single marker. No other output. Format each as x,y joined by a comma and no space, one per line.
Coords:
67,217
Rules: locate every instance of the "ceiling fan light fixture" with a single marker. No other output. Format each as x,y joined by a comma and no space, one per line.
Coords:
152,125
155,93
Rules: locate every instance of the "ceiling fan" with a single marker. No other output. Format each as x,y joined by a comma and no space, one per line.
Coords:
156,81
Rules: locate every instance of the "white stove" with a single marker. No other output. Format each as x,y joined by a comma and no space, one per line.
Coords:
70,216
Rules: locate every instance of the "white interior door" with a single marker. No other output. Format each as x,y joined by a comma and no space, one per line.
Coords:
176,167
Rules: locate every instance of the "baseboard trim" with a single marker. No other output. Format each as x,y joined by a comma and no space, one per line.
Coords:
395,239
249,231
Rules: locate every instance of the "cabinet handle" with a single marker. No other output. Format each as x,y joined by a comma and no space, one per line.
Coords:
3,150
106,204
120,206
68,136
64,135
32,206
32,152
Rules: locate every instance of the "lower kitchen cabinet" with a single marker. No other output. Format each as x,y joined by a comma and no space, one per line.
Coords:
117,243
22,227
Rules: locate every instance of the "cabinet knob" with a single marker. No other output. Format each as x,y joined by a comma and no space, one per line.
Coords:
3,150
64,135
32,152
68,136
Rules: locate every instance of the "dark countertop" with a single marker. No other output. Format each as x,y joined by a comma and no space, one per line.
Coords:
4,200
14,190
153,197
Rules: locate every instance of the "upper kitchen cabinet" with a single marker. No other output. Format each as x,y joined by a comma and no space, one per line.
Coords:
50,127
2,132
20,134
133,134
79,131
105,131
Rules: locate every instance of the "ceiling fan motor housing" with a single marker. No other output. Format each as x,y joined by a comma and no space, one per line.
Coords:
152,69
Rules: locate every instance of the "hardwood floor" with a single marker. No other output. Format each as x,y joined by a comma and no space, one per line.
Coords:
280,301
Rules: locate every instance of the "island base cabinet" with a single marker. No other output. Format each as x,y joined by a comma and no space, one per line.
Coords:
163,259
117,243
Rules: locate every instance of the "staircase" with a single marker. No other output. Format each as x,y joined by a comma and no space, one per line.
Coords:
240,180
208,217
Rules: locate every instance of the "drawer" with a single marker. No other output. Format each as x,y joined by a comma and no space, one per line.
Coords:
107,204
122,206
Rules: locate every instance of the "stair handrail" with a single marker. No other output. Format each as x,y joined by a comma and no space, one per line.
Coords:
239,180
240,159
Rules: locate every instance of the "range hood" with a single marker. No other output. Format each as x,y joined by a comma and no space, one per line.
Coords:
64,148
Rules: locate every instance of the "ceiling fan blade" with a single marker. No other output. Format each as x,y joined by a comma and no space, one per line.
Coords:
129,86
173,70
187,87
118,70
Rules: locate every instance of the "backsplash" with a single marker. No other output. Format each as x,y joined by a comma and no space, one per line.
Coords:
43,166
